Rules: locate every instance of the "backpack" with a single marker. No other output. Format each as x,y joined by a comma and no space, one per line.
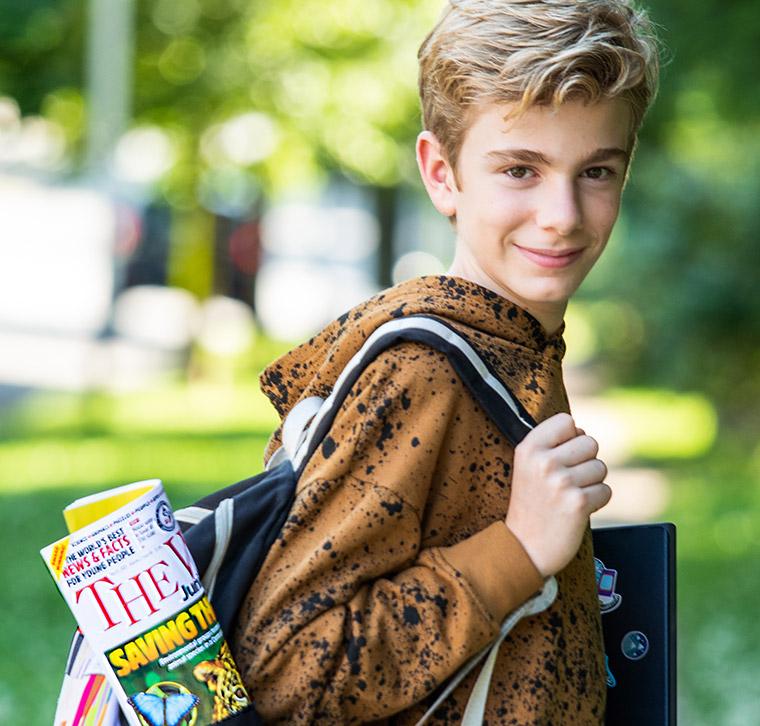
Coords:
229,532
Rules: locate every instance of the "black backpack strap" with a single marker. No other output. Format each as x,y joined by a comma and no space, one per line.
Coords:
500,405
247,516
231,530
491,393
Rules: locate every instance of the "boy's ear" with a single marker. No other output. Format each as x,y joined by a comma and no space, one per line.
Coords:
437,176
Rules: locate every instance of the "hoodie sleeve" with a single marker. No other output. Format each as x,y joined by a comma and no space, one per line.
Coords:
351,618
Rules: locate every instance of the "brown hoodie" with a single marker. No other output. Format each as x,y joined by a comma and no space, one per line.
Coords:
395,565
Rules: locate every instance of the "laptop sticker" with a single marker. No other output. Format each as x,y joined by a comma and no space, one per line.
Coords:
611,681
606,580
635,645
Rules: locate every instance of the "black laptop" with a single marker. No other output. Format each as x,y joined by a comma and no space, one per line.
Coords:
635,573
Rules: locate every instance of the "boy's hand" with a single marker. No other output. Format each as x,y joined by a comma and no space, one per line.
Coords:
556,483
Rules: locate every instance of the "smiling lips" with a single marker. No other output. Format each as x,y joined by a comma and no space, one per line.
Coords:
551,258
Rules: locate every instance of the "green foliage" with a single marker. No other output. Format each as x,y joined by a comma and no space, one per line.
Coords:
337,79
671,305
686,268
682,267
337,83
41,49
714,505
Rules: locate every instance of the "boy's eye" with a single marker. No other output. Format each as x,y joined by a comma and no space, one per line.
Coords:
599,172
519,172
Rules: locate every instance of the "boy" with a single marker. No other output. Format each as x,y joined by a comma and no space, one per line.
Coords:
417,528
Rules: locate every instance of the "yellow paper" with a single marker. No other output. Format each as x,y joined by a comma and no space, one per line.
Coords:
89,509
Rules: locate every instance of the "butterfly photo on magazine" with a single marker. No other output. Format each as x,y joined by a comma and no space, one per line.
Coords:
167,709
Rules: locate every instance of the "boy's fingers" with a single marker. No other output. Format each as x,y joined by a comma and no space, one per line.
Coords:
597,496
554,431
589,473
577,450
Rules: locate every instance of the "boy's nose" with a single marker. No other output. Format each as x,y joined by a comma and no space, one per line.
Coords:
559,209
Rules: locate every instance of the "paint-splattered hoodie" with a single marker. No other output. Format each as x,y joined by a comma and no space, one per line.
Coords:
395,565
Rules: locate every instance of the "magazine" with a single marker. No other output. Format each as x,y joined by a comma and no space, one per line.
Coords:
130,581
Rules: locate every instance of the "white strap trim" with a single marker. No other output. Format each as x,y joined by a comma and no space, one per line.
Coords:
192,515
295,425
473,715
414,322
223,531
299,429
276,459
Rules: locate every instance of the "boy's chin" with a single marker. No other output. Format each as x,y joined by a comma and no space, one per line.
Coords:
548,298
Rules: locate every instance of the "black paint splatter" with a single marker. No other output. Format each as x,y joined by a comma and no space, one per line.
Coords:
328,447
411,615
392,508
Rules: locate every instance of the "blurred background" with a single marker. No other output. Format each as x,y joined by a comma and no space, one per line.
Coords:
190,187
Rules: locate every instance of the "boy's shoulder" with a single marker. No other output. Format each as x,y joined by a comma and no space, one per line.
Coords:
317,363
313,367
503,334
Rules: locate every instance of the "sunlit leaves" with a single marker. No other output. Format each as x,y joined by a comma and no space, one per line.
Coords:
183,61
176,17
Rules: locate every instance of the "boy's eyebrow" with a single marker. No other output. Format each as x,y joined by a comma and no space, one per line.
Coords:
605,154
528,156
524,155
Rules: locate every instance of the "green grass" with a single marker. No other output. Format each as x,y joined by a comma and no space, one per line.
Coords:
662,424
719,641
37,624
716,507
55,448
175,433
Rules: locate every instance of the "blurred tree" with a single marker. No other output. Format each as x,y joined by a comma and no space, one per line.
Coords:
41,45
249,99
686,259
280,94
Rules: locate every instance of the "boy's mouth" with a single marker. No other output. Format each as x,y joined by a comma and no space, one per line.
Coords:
551,258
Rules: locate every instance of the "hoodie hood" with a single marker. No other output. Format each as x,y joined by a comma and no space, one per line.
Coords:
491,323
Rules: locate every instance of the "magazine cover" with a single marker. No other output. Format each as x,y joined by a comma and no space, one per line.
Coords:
131,583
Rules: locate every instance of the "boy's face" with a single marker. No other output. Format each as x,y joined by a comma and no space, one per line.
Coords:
536,199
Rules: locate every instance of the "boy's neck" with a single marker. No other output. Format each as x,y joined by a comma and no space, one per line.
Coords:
550,315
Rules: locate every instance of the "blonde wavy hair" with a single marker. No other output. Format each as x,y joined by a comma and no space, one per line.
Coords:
533,52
